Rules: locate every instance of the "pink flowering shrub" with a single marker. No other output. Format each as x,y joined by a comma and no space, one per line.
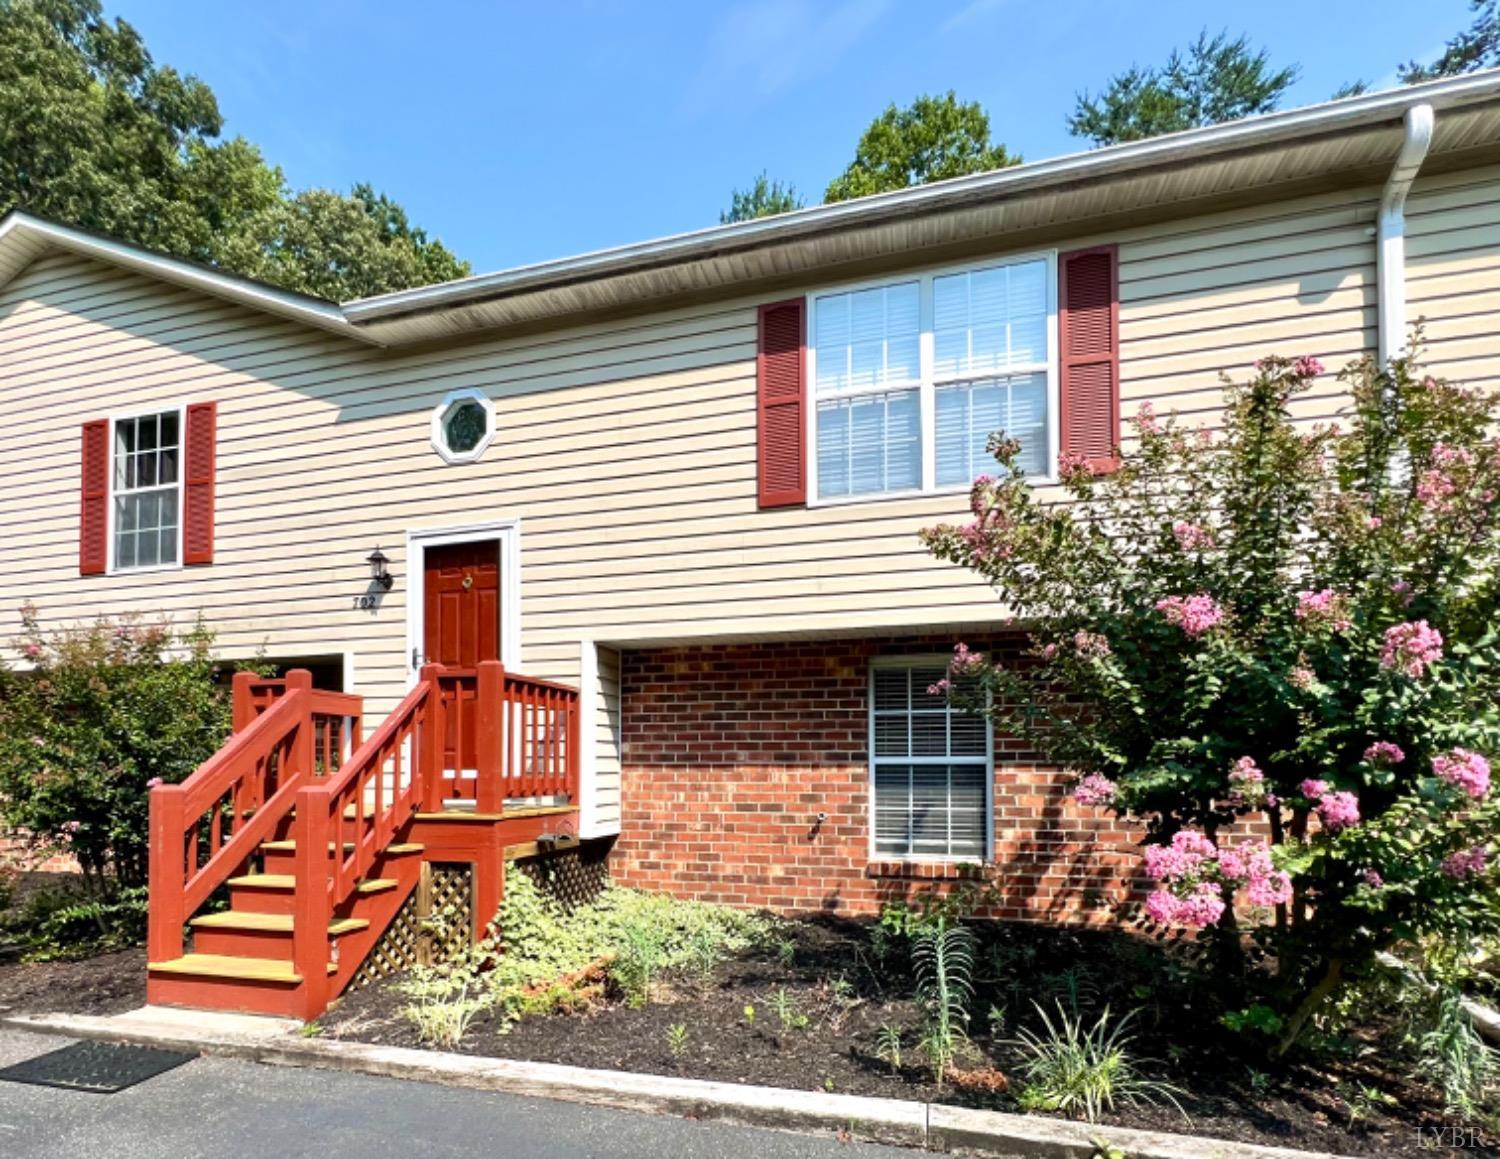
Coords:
1297,620
106,712
1195,615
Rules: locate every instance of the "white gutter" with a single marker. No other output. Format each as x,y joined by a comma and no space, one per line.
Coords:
1390,232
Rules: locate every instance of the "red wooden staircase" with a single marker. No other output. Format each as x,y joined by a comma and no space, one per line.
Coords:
318,836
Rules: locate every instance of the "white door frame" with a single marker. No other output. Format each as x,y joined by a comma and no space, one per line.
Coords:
507,535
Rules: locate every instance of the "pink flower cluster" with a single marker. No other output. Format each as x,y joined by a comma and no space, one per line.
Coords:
964,663
1463,770
1383,754
1323,609
1145,420
1192,536
1193,614
1410,647
154,782
1307,367
1301,676
1184,857
1184,897
1071,464
1437,486
1095,789
1401,589
1247,784
1337,808
1465,863
1091,645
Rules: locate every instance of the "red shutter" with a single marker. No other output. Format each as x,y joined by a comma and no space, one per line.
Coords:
198,484
93,521
781,458
1089,334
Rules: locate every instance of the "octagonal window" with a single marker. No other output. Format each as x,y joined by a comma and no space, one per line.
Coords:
463,425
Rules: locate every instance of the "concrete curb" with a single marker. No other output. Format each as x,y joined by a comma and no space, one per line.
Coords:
927,1125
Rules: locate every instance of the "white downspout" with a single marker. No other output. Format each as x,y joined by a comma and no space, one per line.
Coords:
1390,233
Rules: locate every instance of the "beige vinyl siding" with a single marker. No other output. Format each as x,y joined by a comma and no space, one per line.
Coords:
1453,273
626,449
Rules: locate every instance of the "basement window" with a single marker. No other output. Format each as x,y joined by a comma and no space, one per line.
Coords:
931,767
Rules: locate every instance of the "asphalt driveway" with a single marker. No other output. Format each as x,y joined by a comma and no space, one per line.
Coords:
224,1109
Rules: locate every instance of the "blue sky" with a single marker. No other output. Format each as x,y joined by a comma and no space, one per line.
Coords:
521,132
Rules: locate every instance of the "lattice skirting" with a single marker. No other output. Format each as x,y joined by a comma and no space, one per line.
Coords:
432,926
573,876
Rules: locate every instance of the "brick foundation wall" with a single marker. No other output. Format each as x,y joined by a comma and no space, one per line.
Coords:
731,751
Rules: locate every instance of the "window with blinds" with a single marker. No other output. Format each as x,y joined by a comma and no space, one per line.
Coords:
910,378
931,767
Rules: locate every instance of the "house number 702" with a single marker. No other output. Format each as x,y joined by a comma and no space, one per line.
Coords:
364,602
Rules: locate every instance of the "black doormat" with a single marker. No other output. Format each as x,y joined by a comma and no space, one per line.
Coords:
101,1067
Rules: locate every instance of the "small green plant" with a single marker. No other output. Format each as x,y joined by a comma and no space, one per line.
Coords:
787,1011
749,1014
1260,1081
828,1084
443,1020
888,1046
943,954
786,952
1452,1052
1084,1070
1104,1149
637,964
1361,1100
996,1020
1257,1018
677,1036
313,1029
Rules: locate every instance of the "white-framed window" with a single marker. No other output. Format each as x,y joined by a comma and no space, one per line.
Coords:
463,425
909,377
146,490
931,767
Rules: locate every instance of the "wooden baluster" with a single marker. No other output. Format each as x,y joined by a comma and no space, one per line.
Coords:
489,703
431,738
167,874
576,725
242,701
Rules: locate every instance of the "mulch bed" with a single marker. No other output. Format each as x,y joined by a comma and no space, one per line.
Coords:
106,984
1232,1093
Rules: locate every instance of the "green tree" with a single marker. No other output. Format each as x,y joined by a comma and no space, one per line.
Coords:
1216,79
1276,650
764,198
1476,47
95,134
932,139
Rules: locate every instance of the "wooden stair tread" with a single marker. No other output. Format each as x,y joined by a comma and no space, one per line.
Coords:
271,923
376,885
264,881
241,969
508,815
402,847
290,846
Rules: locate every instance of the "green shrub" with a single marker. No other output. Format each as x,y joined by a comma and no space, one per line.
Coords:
105,711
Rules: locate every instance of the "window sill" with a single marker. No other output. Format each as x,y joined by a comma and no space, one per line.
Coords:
928,870
1050,480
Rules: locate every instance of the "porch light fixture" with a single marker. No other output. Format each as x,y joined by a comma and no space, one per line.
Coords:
380,570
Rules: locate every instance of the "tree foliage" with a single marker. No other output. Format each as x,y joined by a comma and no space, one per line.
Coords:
95,134
1478,46
1216,79
106,711
932,139
764,198
1279,651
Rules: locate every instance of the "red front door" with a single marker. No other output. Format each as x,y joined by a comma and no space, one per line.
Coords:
461,625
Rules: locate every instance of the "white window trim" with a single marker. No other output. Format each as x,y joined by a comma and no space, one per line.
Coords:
438,437
114,492
926,385
873,854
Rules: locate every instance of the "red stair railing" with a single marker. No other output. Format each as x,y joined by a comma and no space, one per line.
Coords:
203,831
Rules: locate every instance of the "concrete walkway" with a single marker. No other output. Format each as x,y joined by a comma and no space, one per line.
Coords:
218,1108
